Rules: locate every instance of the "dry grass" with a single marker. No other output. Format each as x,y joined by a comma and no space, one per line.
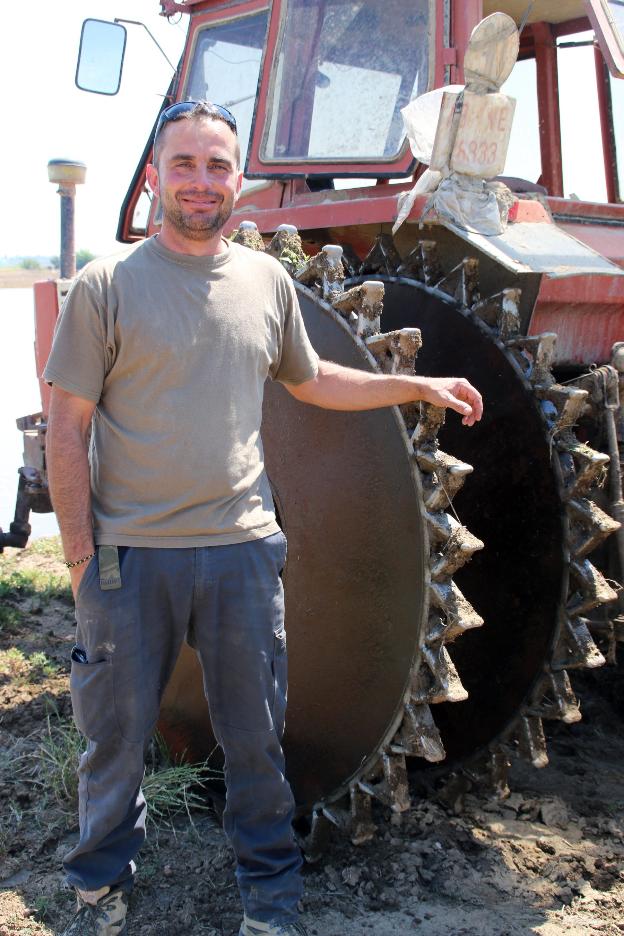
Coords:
19,278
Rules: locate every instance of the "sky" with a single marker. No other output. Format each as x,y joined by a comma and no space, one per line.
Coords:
48,117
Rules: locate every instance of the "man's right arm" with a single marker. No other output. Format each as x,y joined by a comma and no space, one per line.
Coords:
68,475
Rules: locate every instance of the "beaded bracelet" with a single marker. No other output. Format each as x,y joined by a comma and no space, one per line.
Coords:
72,565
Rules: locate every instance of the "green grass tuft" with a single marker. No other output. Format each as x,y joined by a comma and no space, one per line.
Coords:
11,619
19,584
169,790
21,668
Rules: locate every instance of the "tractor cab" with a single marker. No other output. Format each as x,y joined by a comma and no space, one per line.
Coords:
317,88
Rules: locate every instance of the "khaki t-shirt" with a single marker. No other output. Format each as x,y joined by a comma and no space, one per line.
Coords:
175,351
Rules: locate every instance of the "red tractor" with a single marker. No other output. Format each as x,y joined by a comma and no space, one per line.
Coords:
376,512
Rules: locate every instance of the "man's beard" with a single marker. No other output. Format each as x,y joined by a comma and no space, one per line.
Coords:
196,225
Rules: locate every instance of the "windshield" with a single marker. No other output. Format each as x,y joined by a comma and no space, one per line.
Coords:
616,9
342,73
225,67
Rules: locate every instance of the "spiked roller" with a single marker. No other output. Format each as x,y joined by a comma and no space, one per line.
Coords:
527,499
371,627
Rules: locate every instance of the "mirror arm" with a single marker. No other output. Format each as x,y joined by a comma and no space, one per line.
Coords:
154,40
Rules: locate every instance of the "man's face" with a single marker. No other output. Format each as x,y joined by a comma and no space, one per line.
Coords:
197,177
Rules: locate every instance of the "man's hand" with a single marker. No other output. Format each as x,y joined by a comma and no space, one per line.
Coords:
345,388
455,393
76,574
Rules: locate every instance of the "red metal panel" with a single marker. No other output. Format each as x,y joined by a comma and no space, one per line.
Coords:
171,7
548,107
586,332
570,27
464,17
583,290
598,211
286,203
46,314
606,125
330,209
606,240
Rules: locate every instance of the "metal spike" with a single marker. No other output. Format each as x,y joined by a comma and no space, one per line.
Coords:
426,432
248,235
491,770
324,272
432,270
452,793
610,632
383,257
444,476
286,247
418,735
413,265
501,312
396,351
462,282
439,681
436,629
459,613
469,288
393,789
590,526
489,309
566,405
531,741
592,588
509,319
362,828
452,542
350,260
284,235
357,819
575,648
535,355
362,306
339,815
315,843
556,700
405,345
590,467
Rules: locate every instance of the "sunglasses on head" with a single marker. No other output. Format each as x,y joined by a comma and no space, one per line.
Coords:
180,108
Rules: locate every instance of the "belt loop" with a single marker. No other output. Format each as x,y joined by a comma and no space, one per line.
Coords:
110,573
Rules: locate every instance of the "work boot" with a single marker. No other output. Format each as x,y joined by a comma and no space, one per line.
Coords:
106,917
256,928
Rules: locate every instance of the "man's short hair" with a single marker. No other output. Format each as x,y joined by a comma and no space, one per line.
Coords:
193,110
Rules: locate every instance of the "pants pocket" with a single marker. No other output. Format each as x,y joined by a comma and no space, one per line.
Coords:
91,688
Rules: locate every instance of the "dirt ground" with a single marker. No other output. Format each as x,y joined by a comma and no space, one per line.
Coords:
548,860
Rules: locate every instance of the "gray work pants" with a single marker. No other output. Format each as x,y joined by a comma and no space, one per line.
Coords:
228,600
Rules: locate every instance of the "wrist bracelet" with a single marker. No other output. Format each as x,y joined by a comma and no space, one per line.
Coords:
72,565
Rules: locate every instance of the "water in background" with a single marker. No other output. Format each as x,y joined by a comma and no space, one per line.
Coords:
19,396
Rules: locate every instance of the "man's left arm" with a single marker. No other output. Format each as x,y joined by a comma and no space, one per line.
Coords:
345,388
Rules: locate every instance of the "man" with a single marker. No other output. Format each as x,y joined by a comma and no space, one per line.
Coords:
167,523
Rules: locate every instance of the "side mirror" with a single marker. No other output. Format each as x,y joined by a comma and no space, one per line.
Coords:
101,56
